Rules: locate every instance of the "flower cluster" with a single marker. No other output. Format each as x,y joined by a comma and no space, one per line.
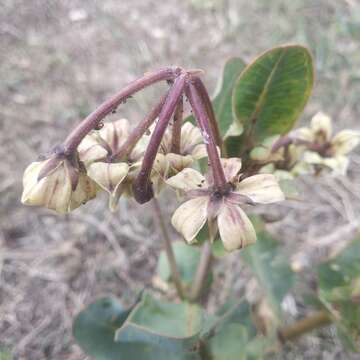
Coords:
161,150
311,150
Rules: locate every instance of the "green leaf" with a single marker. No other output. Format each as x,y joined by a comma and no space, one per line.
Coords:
229,343
271,268
151,330
94,330
272,91
222,100
170,328
187,258
339,291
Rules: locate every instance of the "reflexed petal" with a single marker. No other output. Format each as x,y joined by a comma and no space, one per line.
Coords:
261,189
91,150
312,157
108,175
187,179
304,134
190,136
115,133
321,123
338,164
235,228
232,167
52,191
85,191
179,162
190,217
199,152
345,141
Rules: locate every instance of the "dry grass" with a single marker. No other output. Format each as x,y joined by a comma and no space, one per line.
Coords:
59,59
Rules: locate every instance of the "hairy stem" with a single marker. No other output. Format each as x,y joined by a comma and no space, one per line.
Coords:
140,130
142,187
209,109
202,118
201,272
92,120
314,321
176,130
175,275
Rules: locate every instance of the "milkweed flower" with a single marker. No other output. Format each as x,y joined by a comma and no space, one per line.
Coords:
324,149
98,151
168,164
56,184
222,207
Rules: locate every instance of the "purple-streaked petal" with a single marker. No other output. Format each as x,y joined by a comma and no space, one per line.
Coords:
190,217
235,229
261,189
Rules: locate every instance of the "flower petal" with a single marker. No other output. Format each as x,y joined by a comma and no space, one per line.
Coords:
115,133
235,228
321,123
179,162
187,179
345,141
85,191
190,137
52,191
261,189
190,217
232,167
199,152
108,175
90,149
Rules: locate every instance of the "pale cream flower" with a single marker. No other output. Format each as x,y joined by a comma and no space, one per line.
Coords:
282,161
63,189
222,207
168,164
191,147
113,175
325,150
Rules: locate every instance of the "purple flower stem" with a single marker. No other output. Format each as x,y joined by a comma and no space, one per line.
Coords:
143,191
202,118
92,120
139,130
209,109
176,129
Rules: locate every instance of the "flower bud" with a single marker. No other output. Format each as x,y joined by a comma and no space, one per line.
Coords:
56,184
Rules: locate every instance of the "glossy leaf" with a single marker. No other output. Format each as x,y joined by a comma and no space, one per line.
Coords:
339,291
271,268
222,101
272,91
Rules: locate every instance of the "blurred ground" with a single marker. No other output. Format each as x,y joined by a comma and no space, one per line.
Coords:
59,59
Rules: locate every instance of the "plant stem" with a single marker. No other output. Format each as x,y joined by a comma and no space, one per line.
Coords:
92,120
202,118
316,320
176,130
209,109
175,275
140,130
142,187
201,272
